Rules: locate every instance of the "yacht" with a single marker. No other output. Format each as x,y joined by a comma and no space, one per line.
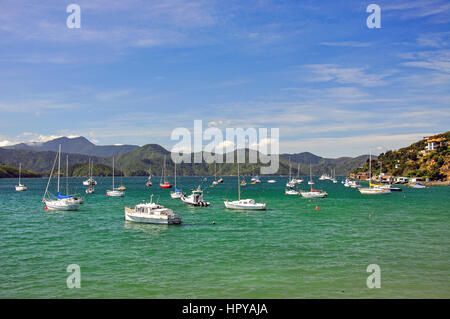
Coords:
271,181
90,180
244,204
373,189
291,191
151,213
163,183
177,193
149,179
114,192
195,199
313,193
417,185
20,187
61,202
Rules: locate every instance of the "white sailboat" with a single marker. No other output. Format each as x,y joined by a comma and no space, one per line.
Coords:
149,178
151,213
373,189
73,198
244,204
313,193
298,180
61,202
20,187
176,194
114,192
291,183
90,180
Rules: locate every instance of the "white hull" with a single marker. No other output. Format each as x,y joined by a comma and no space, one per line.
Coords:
89,182
61,204
314,194
90,190
21,188
153,218
416,186
115,193
245,204
310,183
291,192
271,181
374,191
176,195
191,201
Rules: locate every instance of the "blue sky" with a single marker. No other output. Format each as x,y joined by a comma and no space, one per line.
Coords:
136,70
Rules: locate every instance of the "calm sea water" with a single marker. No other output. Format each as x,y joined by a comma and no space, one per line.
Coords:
291,250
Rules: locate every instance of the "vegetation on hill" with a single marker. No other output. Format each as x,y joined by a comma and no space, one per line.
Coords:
415,160
11,171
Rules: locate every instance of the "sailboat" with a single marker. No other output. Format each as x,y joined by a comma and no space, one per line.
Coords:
114,192
311,182
90,180
78,200
248,204
163,183
313,193
291,183
20,187
215,182
298,180
177,193
91,188
121,187
61,202
372,188
149,179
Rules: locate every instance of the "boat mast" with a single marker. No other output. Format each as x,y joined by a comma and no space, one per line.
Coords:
67,174
239,185
370,168
310,175
175,175
290,177
113,175
59,163
20,171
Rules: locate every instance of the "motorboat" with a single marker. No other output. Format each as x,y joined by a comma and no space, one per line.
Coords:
151,213
195,199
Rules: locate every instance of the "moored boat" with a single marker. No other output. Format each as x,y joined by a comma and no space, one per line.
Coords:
20,187
151,213
195,199
244,204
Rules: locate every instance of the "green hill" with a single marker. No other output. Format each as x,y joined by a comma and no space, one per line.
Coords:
11,171
427,158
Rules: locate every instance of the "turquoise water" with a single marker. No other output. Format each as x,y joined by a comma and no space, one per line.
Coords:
291,250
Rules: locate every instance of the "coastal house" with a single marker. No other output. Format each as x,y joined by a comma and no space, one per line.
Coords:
433,144
401,179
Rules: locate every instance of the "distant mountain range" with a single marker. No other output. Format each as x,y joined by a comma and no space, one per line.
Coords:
135,160
77,145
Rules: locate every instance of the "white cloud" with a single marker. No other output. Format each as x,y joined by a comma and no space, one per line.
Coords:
335,73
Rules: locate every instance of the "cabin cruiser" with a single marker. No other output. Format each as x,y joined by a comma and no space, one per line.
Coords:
195,199
151,213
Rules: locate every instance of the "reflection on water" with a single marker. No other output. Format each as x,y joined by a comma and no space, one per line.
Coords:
151,229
